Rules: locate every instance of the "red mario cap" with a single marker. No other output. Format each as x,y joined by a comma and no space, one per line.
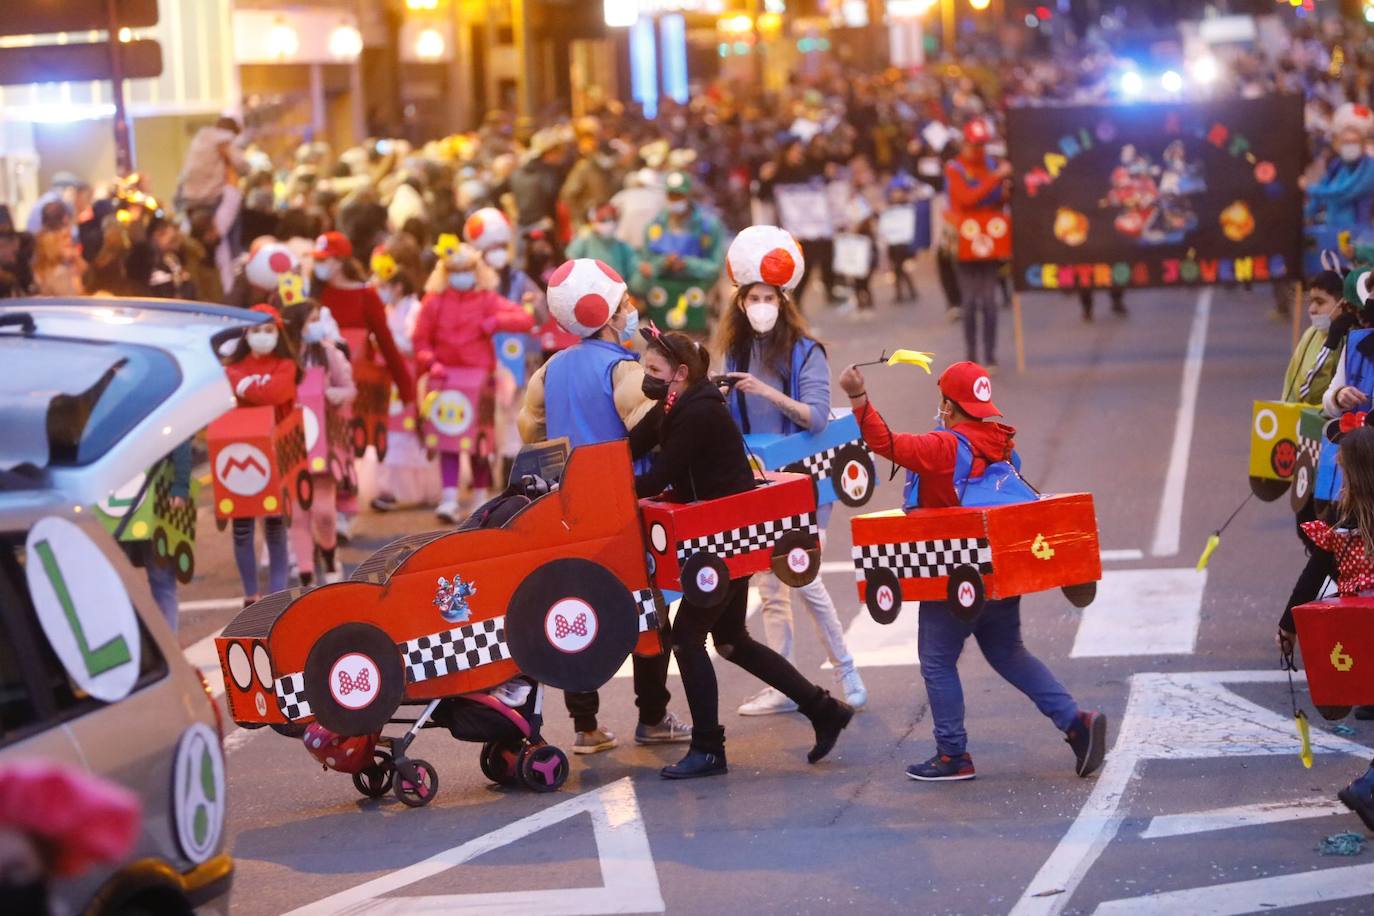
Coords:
976,132
333,245
968,385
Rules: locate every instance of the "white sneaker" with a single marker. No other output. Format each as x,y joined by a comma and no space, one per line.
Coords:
852,686
447,512
767,702
333,575
343,524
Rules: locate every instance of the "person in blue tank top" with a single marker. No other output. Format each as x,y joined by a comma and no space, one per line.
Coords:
781,386
969,460
593,392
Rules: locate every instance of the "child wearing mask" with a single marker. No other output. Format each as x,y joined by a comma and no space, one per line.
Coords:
262,372
597,240
311,331
454,332
1312,364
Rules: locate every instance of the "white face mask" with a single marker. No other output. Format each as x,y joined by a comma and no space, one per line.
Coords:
263,342
1322,322
678,207
325,270
497,258
605,230
762,316
1351,152
313,332
387,294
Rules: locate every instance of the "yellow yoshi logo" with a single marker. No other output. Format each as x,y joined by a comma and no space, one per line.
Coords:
1339,660
1041,549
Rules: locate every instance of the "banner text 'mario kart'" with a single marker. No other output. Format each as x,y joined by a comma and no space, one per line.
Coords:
970,555
561,593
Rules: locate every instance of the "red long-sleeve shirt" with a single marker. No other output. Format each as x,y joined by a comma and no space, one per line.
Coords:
264,381
972,185
454,329
932,455
359,307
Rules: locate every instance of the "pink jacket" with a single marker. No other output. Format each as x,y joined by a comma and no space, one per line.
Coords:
339,387
454,329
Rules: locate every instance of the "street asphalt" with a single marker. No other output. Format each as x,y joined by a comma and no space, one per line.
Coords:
1183,663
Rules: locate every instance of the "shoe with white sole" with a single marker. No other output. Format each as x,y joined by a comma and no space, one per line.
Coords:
767,702
447,512
594,742
852,686
344,526
671,730
333,575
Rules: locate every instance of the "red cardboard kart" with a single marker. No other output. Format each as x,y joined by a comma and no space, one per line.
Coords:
561,593
697,548
326,427
1337,640
258,464
371,408
968,556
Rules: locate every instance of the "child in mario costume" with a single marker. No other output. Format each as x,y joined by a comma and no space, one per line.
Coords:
969,460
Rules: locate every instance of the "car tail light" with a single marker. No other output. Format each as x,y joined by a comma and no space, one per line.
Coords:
209,695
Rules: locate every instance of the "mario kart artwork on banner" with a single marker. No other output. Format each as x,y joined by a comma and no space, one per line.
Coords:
1157,194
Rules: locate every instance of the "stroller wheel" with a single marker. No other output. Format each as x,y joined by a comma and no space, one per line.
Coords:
500,763
544,768
416,788
376,780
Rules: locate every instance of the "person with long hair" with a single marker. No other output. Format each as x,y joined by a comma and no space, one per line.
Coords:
700,456
311,331
782,386
262,372
1342,549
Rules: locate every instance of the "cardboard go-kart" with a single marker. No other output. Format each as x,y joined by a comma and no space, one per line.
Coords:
371,408
258,464
1285,443
971,555
1337,640
142,510
327,445
836,459
452,413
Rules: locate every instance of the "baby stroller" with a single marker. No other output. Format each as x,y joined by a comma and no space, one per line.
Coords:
506,720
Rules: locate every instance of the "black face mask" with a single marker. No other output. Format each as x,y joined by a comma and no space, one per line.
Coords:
655,389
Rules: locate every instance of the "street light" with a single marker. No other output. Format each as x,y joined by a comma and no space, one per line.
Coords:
345,42
430,45
620,14
1131,83
282,41
1171,81
979,5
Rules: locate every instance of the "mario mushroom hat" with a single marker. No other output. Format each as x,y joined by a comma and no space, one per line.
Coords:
486,229
765,254
268,263
968,385
1353,117
584,294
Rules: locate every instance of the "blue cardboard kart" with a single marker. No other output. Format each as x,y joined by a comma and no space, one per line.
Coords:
836,459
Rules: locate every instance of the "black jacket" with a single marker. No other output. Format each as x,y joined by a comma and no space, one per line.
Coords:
701,452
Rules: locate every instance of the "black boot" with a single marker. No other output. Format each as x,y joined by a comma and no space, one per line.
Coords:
705,757
829,717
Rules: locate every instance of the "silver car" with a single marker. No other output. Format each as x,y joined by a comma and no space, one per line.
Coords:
92,394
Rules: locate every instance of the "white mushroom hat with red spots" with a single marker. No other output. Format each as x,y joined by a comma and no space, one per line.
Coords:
765,254
584,294
268,263
486,229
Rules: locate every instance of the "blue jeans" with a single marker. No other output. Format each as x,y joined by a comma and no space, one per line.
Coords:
278,567
162,582
998,631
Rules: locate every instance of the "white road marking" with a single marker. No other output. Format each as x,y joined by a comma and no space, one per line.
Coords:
212,604
1122,556
874,645
202,656
1170,521
1254,896
1142,612
629,880
1188,716
837,566
1169,825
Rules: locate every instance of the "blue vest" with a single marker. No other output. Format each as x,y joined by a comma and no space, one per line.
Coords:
1359,370
999,485
801,352
579,398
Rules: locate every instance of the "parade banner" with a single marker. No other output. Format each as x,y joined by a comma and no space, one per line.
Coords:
1157,195
804,210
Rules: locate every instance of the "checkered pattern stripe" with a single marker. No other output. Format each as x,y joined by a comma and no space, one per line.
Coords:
748,539
1309,447
373,399
291,696
336,428
455,650
291,451
821,465
182,520
924,559
648,610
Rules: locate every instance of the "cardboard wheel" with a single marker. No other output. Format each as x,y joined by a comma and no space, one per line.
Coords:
882,595
379,439
161,548
543,768
571,624
354,679
336,468
1080,595
221,523
305,489
966,597
796,558
1304,481
499,763
1334,713
288,729
1268,489
416,783
853,475
705,579
357,436
184,562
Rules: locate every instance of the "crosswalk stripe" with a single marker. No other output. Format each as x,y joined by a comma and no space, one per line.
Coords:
1256,895
1142,612
1170,825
